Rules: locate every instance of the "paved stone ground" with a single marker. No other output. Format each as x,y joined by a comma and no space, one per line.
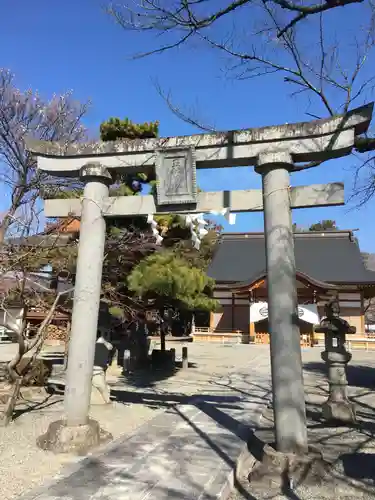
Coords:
349,451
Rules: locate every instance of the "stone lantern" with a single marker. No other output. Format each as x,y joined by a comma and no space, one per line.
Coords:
337,407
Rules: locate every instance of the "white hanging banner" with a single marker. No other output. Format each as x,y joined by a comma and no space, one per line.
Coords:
306,312
309,313
258,311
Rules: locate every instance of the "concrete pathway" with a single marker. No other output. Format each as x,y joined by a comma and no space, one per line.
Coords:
189,451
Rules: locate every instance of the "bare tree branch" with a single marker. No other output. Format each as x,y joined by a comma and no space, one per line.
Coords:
25,114
17,325
191,16
176,110
323,65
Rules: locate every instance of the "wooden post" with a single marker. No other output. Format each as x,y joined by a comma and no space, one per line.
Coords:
232,312
185,360
251,323
252,330
363,319
211,327
173,357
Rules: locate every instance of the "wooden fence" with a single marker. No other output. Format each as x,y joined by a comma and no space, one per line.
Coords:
240,337
264,338
223,336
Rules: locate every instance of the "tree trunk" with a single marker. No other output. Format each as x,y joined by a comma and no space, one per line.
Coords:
7,220
3,229
23,348
6,415
66,349
138,347
2,234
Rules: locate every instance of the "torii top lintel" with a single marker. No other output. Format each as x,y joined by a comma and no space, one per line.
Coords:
317,140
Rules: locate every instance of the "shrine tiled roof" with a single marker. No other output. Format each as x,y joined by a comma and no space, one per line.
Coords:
331,257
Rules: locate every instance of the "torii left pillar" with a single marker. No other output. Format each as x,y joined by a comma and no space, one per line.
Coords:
77,431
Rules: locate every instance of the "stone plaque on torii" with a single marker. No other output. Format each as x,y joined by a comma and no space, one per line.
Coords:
275,152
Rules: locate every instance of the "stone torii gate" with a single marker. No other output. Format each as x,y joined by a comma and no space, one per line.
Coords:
275,152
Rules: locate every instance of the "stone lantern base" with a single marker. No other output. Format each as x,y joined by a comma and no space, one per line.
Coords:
338,407
341,411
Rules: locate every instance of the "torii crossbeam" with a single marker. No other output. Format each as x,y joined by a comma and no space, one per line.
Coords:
250,200
275,152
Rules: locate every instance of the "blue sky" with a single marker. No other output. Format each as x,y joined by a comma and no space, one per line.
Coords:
56,46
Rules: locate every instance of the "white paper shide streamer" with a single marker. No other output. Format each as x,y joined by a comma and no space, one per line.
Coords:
154,229
197,224
225,212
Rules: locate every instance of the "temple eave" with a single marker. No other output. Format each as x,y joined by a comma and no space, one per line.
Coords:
308,281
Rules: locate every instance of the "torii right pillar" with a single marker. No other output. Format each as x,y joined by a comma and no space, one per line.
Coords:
286,362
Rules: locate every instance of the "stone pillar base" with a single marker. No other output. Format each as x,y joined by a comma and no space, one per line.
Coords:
61,438
339,411
280,472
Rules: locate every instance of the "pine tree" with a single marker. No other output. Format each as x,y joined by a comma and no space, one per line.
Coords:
168,281
324,225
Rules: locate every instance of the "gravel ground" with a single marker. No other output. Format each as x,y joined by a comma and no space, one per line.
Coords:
24,466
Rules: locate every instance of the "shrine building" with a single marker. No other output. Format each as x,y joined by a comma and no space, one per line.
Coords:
326,262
